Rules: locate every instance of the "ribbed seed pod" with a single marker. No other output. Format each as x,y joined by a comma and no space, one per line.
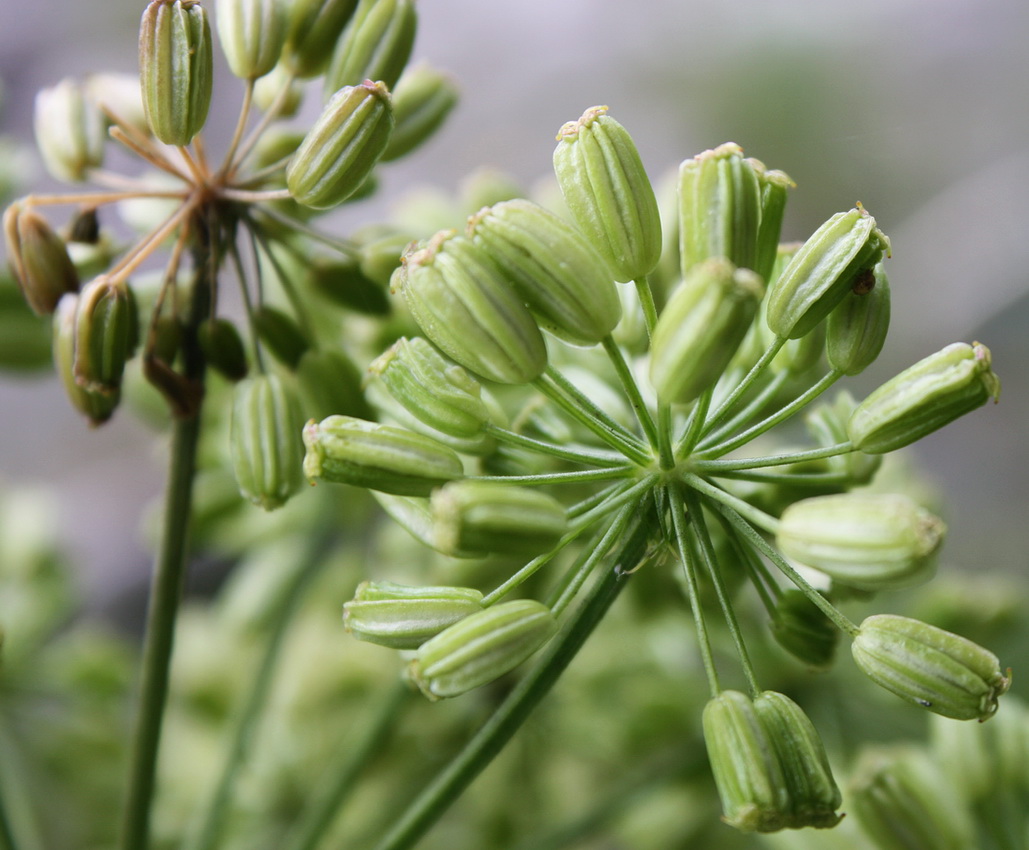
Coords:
608,192
265,441
483,516
403,617
924,397
330,383
701,328
223,348
175,68
104,330
802,629
467,308
281,334
719,208
834,260
38,258
871,541
70,131
774,187
96,406
313,28
929,667
346,450
423,99
340,150
251,33
856,330
375,45
481,648
555,272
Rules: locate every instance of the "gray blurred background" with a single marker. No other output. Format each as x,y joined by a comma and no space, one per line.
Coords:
917,108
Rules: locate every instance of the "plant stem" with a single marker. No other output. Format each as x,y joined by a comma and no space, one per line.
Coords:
729,402
543,447
646,295
632,390
694,425
714,467
430,805
751,409
542,478
717,494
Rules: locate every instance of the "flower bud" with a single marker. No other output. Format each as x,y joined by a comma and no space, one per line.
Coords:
435,391
223,348
701,328
39,259
481,647
810,787
346,450
856,329
482,516
608,193
924,398
97,406
265,440
375,45
105,327
902,802
314,27
403,617
422,100
70,131
175,68
802,629
342,147
930,667
774,185
467,308
565,284
281,334
251,33
838,257
719,208
331,383
870,541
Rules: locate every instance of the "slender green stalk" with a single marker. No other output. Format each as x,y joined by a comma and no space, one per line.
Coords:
694,425
295,301
542,478
596,499
715,467
755,515
751,409
646,295
430,805
730,401
631,388
780,415
542,447
664,435
335,787
802,478
689,568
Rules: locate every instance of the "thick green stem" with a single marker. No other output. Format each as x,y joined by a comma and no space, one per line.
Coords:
428,807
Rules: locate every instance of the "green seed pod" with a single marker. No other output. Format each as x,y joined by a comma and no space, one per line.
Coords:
402,617
856,329
38,258
103,335
747,770
252,33
24,336
340,150
265,441
836,259
481,647
827,423
482,516
719,208
423,99
346,450
433,390
932,668
268,91
774,187
175,68
375,45
281,334
96,406
70,131
701,328
314,27
923,398
608,193
223,347
467,308
871,541
565,284
331,383
802,629
812,792
341,280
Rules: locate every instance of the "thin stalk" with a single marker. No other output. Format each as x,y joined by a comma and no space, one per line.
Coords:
625,471
199,177
99,197
295,301
689,568
694,425
748,533
755,515
702,538
262,125
148,153
631,388
146,246
664,435
209,827
751,409
337,784
730,401
543,447
434,800
341,245
819,478
248,306
716,467
241,124
646,295
780,415
247,196
598,498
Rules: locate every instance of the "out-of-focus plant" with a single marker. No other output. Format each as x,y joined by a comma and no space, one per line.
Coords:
571,403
